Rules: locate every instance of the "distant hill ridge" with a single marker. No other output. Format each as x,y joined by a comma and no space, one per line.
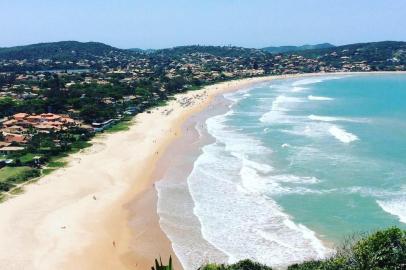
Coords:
75,51
62,50
65,50
223,51
380,45
379,54
285,49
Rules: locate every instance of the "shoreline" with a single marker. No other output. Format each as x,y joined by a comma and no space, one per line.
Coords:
85,207
169,154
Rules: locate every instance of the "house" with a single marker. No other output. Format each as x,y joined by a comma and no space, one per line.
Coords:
4,144
10,149
102,126
15,138
46,121
50,117
15,129
131,110
34,118
20,116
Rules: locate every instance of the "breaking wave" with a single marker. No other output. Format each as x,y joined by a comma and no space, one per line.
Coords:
342,135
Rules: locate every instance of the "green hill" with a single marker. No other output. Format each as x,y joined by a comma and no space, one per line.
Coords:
63,50
381,55
221,51
285,49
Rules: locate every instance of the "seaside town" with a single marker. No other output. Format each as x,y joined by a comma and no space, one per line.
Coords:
203,135
50,106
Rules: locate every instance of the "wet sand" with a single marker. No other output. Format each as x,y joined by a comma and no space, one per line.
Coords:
100,211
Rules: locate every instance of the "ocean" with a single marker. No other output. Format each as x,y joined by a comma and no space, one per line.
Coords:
292,167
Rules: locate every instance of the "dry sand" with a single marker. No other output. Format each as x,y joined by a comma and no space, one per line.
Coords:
78,217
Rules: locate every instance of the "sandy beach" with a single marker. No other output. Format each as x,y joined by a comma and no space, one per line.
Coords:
99,212
78,216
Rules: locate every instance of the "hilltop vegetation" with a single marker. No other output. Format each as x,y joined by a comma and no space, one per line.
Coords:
381,250
291,49
220,51
386,55
63,50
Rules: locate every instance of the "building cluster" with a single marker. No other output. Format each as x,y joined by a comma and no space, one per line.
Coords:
17,130
163,73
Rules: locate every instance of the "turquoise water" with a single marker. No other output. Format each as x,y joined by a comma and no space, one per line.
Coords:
353,178
299,164
296,165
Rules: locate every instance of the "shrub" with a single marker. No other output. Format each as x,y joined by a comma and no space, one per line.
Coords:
382,250
24,176
242,265
5,186
336,263
160,266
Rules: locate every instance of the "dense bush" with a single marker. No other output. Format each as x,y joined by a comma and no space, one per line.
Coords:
5,186
160,266
242,265
24,176
384,250
381,250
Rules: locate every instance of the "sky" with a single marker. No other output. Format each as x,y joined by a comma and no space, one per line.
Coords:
167,23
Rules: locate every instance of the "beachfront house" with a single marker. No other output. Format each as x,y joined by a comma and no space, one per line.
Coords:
100,126
7,150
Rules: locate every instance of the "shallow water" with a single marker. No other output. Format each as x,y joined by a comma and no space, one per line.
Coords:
295,165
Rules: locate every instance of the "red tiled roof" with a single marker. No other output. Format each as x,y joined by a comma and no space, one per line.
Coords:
9,122
20,116
32,118
15,138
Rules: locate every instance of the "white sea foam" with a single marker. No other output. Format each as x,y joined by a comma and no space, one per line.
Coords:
175,210
232,218
319,98
376,192
235,143
298,89
276,117
307,81
396,207
289,178
238,95
342,135
234,184
229,190
336,119
309,129
280,106
314,80
260,167
282,102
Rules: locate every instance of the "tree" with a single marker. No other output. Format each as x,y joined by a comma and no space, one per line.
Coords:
7,106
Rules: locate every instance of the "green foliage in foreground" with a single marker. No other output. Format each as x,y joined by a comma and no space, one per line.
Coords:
381,250
242,265
160,266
